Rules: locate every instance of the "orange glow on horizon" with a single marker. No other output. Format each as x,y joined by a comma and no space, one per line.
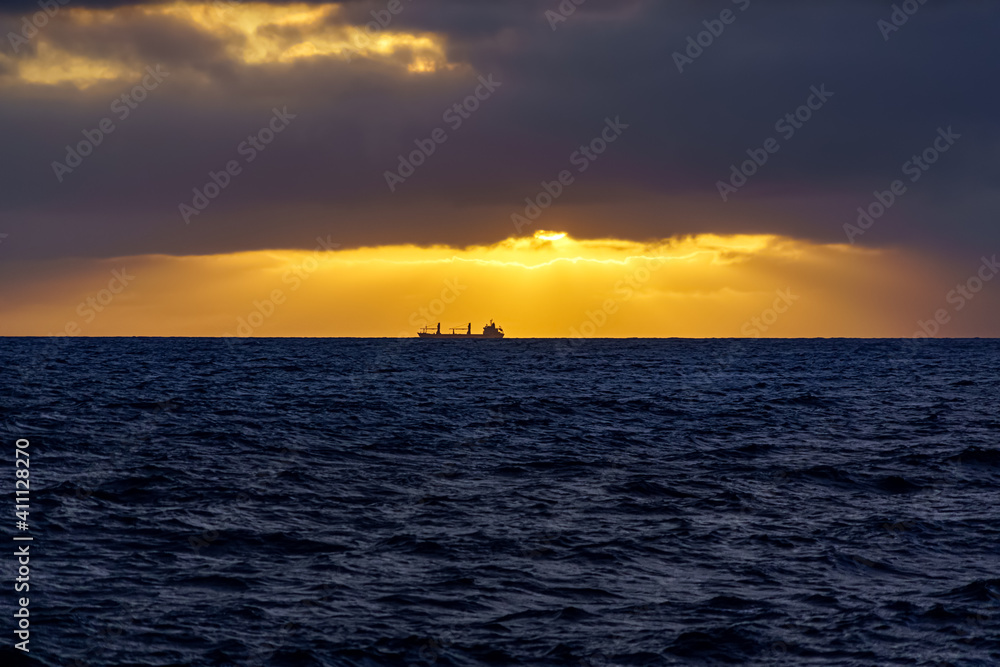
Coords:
549,285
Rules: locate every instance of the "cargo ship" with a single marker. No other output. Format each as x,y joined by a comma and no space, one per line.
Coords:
489,331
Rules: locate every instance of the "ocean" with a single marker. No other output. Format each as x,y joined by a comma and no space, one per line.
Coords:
518,502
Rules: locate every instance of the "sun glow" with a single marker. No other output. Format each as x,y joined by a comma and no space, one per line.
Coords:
707,285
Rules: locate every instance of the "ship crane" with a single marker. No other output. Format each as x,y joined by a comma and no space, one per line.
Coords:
490,330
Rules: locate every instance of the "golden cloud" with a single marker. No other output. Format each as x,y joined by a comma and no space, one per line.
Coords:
83,46
550,285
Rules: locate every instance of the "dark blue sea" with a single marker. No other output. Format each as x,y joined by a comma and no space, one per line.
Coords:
515,502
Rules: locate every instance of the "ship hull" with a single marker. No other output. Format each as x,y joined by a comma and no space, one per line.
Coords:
461,336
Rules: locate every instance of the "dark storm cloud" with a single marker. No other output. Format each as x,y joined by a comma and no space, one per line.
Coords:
324,175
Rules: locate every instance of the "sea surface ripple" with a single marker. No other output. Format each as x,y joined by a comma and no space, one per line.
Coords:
516,502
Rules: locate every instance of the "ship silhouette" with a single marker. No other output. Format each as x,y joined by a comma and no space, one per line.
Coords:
491,330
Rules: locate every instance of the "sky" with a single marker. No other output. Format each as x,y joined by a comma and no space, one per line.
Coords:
731,168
